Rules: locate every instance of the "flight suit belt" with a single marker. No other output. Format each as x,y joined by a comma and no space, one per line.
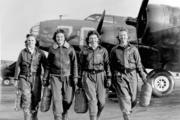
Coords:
94,71
28,74
58,75
126,70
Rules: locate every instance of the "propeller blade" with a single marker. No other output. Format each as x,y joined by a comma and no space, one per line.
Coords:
99,27
141,19
142,8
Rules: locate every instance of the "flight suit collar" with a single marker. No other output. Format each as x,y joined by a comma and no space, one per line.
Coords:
66,45
98,47
27,50
123,47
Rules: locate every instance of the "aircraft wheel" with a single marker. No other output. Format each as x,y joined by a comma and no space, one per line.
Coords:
6,82
162,82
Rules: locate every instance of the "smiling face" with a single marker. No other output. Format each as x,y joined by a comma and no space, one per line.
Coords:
123,37
93,41
31,42
60,38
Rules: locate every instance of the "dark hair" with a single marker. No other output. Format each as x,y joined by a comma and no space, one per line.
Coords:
32,35
29,35
92,32
59,31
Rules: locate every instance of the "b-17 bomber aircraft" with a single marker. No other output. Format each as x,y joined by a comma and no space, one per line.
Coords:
155,31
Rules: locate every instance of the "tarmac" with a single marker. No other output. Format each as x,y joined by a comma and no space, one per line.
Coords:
163,108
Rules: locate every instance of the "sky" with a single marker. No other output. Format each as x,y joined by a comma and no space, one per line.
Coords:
18,16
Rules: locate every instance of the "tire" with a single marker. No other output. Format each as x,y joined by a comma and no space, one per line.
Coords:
6,82
162,82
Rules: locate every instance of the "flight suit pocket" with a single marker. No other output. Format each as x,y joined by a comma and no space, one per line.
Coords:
132,62
117,77
131,58
98,59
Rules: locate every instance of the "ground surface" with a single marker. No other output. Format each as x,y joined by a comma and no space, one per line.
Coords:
164,108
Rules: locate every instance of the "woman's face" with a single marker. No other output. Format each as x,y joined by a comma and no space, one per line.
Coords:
93,41
123,37
31,42
60,38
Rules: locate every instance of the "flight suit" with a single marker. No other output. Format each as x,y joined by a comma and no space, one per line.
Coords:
28,72
62,71
125,65
95,70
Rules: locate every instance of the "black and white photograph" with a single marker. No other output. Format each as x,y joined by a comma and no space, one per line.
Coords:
90,60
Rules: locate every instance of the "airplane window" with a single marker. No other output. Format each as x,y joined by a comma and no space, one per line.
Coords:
108,19
93,18
90,19
68,29
83,33
35,29
97,17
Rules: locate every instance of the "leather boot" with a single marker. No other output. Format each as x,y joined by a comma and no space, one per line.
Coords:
34,115
93,118
65,116
99,112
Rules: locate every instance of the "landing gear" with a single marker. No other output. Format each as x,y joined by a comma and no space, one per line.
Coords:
162,82
6,82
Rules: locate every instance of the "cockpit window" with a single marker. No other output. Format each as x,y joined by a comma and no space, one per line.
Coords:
97,17
93,18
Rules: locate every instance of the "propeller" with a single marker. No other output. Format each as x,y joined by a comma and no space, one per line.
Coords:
141,19
99,27
142,9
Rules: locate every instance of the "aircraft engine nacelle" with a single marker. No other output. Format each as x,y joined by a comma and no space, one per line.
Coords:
158,32
163,23
158,28
162,33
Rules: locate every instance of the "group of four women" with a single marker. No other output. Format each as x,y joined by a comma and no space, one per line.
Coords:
96,73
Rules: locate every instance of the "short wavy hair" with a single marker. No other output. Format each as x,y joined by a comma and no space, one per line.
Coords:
92,32
28,35
121,29
31,35
59,31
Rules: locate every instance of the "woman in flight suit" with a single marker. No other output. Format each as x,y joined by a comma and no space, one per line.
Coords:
28,77
125,65
95,71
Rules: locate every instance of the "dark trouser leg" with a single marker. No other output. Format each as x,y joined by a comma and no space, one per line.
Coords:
66,107
34,110
34,115
36,96
68,95
56,86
